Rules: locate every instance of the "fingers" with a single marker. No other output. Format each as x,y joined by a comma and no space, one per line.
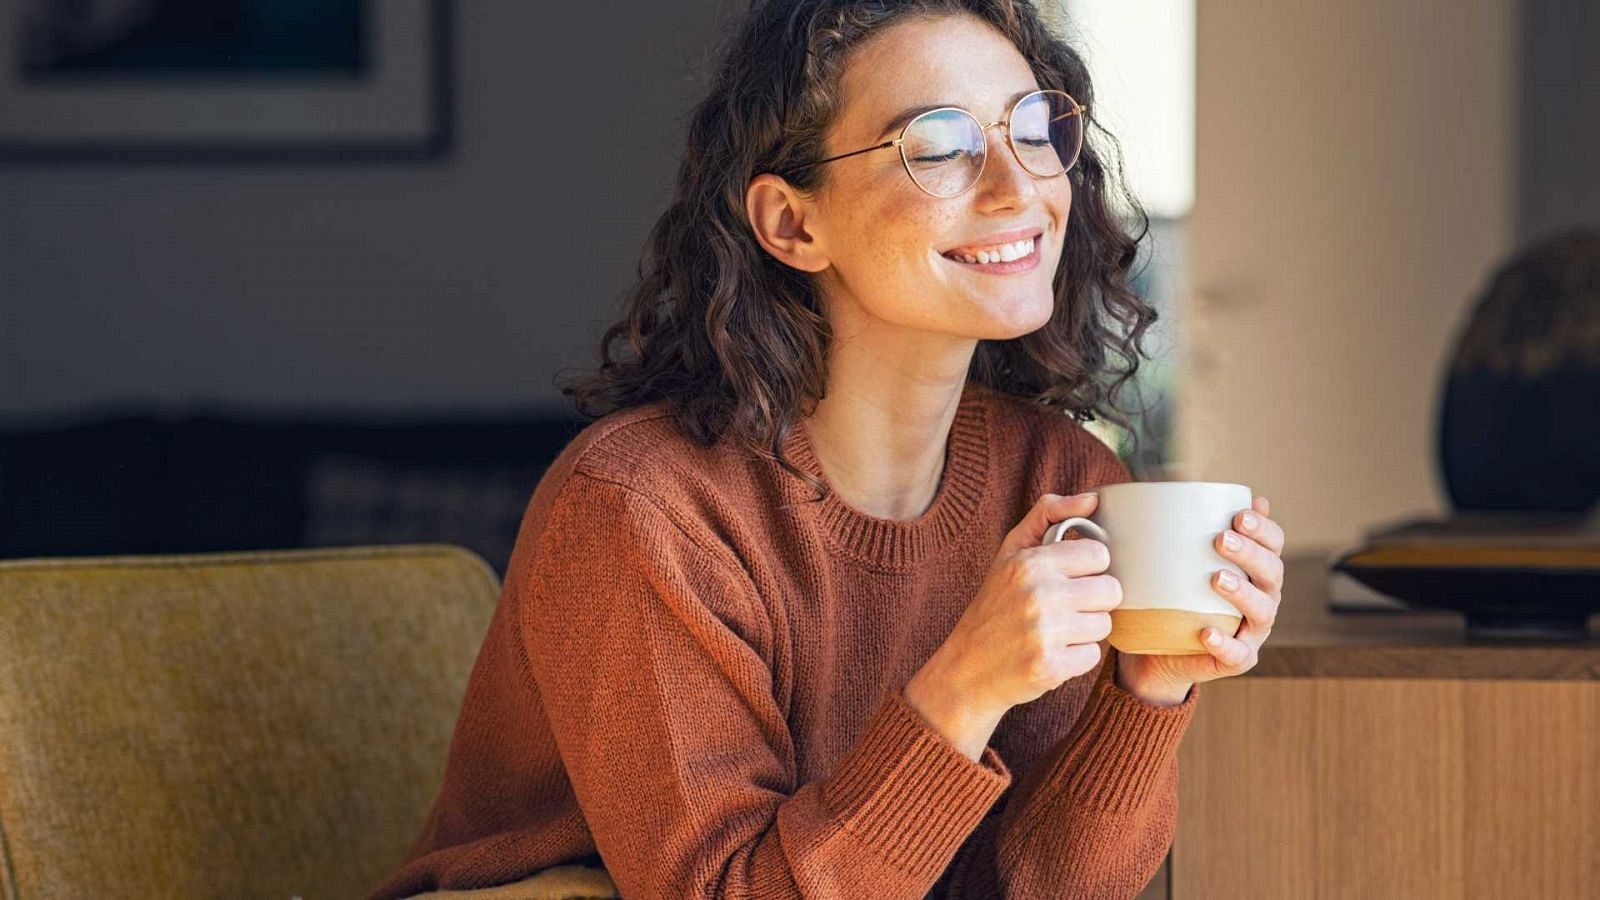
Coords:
1256,525
1076,557
1258,552
1082,628
1262,565
1260,609
1048,510
1229,655
1076,659
1098,593
1082,560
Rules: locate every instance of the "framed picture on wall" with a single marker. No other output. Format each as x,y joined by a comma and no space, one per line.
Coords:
257,80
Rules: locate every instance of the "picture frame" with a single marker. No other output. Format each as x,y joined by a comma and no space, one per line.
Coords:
242,81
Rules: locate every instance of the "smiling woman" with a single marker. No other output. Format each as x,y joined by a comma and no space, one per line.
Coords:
764,618
734,329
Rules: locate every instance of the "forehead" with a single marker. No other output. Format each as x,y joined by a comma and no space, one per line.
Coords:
959,60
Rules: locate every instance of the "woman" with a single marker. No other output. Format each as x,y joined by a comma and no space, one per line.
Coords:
781,624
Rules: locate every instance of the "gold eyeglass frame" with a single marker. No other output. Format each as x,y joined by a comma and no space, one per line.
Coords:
1078,109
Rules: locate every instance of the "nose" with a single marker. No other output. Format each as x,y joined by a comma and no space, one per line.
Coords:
1003,182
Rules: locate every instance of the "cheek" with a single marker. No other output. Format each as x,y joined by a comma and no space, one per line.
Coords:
895,237
1060,200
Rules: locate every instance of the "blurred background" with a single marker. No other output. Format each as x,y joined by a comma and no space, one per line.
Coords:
283,273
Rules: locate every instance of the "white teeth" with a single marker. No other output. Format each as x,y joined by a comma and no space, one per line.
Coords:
997,253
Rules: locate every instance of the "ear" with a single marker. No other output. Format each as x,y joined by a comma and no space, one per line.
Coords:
782,221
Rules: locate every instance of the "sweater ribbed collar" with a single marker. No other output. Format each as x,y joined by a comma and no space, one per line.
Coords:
901,543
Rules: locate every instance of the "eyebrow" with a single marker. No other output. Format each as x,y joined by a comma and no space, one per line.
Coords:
909,114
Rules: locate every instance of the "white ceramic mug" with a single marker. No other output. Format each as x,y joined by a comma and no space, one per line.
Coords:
1162,538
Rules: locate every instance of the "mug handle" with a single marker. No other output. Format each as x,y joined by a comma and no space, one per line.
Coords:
1059,529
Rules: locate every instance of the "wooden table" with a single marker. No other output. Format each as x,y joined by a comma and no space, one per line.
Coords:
1386,754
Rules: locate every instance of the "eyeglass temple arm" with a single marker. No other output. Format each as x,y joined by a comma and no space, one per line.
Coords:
1069,114
851,153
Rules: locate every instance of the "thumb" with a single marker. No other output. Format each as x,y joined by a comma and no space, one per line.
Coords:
1050,509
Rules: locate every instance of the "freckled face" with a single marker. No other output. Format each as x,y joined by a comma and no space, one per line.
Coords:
887,239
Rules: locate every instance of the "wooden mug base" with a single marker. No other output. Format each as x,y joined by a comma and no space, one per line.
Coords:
1166,631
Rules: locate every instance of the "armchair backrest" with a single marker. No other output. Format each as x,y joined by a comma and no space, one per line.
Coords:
261,724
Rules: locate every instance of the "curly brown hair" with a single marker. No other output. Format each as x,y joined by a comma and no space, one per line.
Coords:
736,342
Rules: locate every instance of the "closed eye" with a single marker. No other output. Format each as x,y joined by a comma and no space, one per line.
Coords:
945,157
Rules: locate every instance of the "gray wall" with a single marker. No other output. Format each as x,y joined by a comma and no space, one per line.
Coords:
460,283
471,282
1559,117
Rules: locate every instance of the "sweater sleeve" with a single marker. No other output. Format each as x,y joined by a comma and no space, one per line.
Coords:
649,647
1095,816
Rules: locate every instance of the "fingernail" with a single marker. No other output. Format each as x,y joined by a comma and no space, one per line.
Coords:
1213,638
1230,540
1249,522
1229,582
1086,495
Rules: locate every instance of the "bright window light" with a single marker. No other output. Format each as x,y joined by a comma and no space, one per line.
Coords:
1140,54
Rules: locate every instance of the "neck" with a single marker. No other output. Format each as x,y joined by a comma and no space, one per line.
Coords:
881,438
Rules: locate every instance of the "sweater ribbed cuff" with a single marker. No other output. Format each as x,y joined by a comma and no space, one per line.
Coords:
1123,747
906,790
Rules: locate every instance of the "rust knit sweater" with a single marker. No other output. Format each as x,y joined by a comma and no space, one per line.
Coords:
695,674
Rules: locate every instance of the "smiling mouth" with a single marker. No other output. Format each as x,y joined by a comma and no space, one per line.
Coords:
1010,257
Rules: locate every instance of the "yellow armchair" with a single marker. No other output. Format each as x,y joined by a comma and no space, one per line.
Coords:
268,724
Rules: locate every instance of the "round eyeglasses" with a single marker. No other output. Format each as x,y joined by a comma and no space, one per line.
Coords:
944,149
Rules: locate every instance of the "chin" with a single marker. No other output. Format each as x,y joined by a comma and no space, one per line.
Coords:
1014,317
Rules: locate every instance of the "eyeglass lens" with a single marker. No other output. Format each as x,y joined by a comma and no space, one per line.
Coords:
944,149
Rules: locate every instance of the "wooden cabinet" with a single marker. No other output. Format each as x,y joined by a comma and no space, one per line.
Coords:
1378,787
1385,755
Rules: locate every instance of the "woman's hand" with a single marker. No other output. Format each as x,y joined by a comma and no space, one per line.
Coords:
1037,621
1160,679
